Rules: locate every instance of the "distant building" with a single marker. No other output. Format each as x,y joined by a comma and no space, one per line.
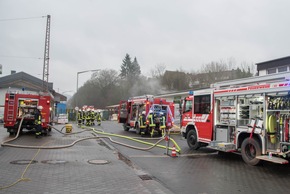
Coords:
26,82
273,66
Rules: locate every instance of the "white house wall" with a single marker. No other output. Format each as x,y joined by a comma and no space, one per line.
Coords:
263,72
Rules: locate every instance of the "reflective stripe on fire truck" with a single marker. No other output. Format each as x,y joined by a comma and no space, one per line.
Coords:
203,118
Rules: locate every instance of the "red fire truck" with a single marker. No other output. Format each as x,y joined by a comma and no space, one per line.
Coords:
250,116
22,103
130,110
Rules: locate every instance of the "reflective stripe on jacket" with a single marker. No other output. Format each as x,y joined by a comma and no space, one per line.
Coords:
38,119
142,121
162,122
151,120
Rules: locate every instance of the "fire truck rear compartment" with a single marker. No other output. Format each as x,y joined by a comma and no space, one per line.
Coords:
20,103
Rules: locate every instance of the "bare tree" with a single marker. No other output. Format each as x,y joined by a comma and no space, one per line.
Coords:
106,90
214,67
101,90
175,80
158,71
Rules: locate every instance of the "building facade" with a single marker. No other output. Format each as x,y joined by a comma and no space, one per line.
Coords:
273,66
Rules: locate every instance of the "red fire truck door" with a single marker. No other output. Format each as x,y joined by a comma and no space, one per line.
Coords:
203,115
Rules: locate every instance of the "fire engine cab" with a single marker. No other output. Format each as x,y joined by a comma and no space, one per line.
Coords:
250,116
131,110
21,103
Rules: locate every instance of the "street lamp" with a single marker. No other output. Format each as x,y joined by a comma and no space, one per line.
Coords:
80,72
67,92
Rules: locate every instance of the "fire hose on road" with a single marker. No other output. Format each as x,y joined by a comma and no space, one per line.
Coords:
105,136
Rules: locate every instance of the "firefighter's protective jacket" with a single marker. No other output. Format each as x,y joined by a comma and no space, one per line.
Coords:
162,122
99,118
142,121
37,118
79,115
151,120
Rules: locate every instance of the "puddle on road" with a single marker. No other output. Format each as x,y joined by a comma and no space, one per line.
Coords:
54,162
99,162
23,162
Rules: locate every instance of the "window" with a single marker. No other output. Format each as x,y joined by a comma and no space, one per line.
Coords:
141,108
202,104
282,69
271,71
188,106
134,112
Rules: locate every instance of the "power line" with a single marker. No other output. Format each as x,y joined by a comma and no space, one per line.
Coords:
13,19
22,57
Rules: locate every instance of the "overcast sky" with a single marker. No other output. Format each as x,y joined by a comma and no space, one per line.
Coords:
97,34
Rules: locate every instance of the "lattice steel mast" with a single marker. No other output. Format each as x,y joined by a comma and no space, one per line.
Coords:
46,57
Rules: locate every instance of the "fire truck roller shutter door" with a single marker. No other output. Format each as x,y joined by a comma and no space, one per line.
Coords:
272,124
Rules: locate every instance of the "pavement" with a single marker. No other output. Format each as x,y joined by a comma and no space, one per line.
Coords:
90,166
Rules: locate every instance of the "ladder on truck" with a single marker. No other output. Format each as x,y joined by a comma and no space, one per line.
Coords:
269,78
11,107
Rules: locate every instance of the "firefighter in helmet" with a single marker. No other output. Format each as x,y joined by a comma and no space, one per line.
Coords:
162,122
80,117
83,116
142,122
88,117
37,121
93,116
99,118
152,124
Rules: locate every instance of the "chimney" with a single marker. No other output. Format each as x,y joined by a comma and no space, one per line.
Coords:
13,71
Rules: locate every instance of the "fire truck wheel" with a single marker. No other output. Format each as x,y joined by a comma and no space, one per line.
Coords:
12,133
192,140
125,127
138,130
250,149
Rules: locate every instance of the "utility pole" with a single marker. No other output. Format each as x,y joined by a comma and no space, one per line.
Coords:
46,57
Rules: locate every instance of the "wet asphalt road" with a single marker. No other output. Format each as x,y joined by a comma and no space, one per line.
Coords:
202,171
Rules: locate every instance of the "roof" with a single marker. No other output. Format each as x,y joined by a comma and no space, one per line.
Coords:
28,82
273,63
23,80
